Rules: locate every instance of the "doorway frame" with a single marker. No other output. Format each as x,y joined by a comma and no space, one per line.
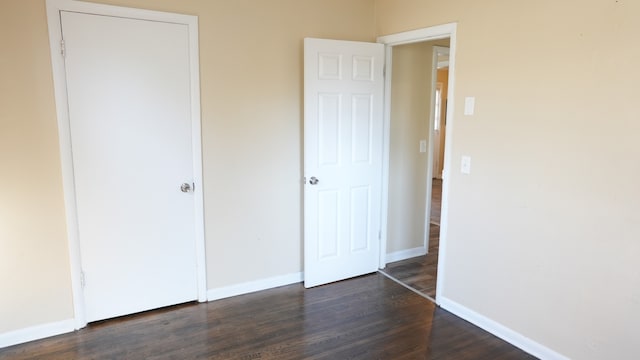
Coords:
53,8
420,35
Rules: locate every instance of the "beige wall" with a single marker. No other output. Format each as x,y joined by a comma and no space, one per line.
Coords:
34,267
251,80
543,234
410,111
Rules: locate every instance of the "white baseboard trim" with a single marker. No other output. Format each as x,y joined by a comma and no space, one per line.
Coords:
253,286
36,332
514,338
406,254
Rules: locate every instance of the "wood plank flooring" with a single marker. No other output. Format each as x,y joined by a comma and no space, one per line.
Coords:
369,317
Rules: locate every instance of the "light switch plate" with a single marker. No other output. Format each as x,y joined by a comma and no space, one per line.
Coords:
423,146
469,105
465,165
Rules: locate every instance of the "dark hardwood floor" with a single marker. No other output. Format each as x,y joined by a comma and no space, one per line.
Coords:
421,272
370,317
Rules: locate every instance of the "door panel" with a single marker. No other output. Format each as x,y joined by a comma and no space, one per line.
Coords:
343,149
129,111
359,219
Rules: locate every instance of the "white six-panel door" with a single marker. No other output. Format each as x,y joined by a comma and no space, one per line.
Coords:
343,134
128,85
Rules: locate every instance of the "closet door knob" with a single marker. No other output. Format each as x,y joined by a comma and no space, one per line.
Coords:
185,187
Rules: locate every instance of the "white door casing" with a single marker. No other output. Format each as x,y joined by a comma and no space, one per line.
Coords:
343,133
420,35
127,96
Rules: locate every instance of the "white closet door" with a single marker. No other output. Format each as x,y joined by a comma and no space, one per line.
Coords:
129,107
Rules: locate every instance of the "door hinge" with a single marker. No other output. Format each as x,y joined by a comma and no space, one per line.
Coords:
83,281
379,234
62,48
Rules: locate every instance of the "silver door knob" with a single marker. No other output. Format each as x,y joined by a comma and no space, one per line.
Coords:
313,180
185,187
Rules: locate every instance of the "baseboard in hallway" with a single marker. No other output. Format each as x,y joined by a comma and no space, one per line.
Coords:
405,254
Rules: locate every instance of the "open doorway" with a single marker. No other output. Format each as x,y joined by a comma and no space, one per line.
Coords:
418,110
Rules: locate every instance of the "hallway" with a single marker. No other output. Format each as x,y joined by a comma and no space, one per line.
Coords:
420,273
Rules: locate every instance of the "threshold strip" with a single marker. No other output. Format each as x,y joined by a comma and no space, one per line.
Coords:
409,287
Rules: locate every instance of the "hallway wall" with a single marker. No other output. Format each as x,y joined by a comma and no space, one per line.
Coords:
411,104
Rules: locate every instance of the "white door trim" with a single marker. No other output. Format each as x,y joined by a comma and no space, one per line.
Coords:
62,112
420,35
